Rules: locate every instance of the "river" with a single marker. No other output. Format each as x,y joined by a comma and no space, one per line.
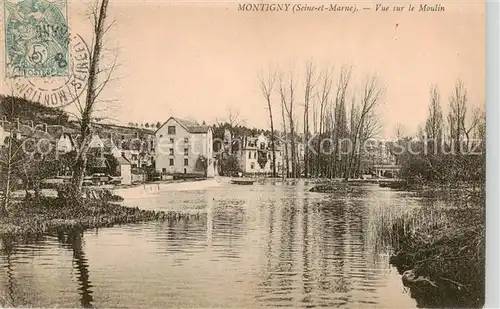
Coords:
266,245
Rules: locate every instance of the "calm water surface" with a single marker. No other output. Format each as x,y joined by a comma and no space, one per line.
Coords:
266,245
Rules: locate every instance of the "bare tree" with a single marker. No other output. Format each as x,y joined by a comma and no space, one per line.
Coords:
285,142
93,91
434,122
340,119
234,117
400,131
323,95
457,113
310,83
287,93
266,86
370,99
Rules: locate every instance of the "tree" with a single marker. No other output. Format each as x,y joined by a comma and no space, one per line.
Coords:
147,125
323,95
310,83
266,86
12,155
230,165
287,93
93,91
202,164
363,119
340,118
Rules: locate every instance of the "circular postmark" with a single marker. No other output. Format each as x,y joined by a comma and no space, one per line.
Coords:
57,90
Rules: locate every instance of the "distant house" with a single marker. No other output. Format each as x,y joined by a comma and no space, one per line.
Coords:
64,142
96,142
99,165
125,171
184,147
3,135
256,155
110,147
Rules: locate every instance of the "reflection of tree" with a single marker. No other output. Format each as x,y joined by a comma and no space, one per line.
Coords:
307,276
74,240
287,240
7,251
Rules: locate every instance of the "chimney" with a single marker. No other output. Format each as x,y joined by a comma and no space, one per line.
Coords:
45,127
32,124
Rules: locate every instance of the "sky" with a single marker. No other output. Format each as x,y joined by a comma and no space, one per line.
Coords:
195,60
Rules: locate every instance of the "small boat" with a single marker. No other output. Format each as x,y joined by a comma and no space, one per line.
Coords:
242,181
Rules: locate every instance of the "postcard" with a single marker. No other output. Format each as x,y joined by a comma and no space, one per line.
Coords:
170,154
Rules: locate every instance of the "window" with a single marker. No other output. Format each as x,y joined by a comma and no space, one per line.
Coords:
171,163
255,155
186,151
171,130
171,141
249,155
171,150
186,162
252,166
152,146
164,170
186,140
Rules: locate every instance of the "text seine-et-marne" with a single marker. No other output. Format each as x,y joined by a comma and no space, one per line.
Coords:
285,7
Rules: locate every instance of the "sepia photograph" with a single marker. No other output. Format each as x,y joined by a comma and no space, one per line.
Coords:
203,154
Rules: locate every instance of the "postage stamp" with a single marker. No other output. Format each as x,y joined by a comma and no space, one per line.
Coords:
36,38
58,91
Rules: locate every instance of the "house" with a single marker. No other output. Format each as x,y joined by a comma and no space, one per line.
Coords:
184,147
122,169
63,137
3,135
125,171
255,154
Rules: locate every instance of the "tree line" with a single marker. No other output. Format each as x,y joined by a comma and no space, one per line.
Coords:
335,110
450,148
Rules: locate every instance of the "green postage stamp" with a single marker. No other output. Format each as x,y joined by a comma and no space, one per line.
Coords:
36,38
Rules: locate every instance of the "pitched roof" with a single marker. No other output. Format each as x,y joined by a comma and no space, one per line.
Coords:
190,126
27,131
198,129
99,163
123,161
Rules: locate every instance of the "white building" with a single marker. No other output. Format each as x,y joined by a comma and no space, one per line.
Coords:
3,135
256,155
184,147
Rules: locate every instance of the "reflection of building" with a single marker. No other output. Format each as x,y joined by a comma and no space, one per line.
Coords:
184,147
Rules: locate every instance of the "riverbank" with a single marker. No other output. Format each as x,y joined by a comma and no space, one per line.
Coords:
47,214
440,253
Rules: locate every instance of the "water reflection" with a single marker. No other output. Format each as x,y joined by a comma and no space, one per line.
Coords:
264,245
73,240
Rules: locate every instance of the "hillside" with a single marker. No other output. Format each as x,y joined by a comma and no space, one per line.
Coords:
14,107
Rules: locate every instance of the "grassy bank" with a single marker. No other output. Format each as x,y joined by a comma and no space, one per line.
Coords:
46,214
439,251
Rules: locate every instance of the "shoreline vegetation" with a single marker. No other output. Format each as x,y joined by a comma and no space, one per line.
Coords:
438,250
32,216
